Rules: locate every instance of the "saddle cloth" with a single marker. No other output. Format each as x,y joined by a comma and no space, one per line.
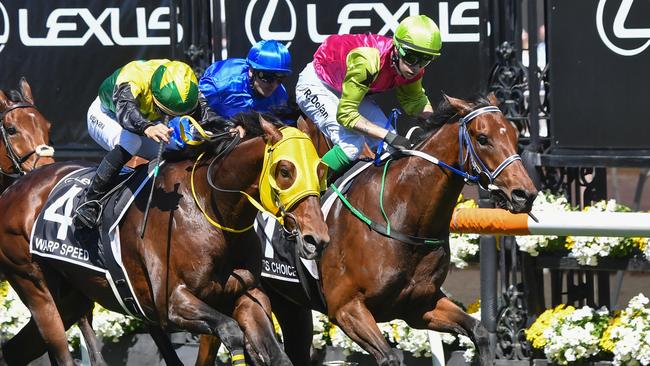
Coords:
56,238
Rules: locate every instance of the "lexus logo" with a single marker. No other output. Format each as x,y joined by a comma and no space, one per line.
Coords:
265,31
4,26
636,40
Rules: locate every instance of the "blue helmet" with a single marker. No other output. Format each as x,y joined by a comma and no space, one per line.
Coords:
269,55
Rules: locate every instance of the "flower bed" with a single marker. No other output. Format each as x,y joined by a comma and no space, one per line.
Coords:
569,335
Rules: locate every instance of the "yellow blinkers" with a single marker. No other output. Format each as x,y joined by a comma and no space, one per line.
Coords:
297,148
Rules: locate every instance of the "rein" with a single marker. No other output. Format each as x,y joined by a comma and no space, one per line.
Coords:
16,160
476,163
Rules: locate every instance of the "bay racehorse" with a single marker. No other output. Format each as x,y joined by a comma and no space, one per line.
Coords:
369,277
186,272
24,135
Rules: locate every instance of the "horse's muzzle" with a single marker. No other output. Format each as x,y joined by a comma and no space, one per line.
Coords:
518,201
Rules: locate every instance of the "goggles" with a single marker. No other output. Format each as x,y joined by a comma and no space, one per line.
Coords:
269,77
413,58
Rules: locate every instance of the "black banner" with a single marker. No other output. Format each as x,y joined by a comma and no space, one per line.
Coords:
303,25
65,49
600,57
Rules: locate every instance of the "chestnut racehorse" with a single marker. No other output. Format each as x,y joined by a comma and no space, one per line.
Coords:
24,135
186,273
368,277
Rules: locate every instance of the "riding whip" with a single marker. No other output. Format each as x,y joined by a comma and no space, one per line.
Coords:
161,146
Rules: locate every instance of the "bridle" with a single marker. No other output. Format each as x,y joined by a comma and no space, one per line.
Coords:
16,160
482,175
482,172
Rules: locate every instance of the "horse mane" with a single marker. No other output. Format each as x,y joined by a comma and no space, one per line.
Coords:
248,120
445,113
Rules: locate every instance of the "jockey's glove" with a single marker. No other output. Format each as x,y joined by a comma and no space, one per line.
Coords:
398,142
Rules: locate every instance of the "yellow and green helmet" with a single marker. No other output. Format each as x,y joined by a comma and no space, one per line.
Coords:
418,33
175,88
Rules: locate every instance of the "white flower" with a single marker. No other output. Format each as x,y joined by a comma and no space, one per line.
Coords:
575,337
631,336
462,246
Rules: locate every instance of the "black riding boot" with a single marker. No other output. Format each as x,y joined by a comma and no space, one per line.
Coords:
89,209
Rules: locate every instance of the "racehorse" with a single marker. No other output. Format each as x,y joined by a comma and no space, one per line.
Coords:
369,277
24,135
186,272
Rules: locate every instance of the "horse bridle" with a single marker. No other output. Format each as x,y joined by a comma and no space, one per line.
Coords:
16,160
484,177
477,164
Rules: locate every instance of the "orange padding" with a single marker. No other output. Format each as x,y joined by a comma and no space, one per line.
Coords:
488,221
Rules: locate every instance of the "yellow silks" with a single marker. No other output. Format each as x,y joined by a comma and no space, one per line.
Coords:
297,148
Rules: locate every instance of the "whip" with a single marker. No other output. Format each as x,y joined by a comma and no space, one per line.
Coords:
153,183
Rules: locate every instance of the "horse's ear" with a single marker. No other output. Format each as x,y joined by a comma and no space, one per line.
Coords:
26,90
4,101
460,105
493,99
272,133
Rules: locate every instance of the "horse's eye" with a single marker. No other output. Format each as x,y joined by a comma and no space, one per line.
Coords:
482,139
11,130
284,172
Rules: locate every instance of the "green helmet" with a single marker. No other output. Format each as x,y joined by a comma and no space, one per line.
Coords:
418,33
175,88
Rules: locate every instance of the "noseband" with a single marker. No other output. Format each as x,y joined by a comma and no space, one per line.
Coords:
16,160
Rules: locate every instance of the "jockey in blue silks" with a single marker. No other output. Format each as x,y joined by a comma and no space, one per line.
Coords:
239,85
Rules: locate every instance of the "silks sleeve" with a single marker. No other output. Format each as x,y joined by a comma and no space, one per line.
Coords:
127,109
412,98
362,69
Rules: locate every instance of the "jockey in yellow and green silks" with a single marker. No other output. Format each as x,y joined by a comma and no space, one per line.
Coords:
126,119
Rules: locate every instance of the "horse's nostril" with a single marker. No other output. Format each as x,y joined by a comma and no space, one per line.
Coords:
317,241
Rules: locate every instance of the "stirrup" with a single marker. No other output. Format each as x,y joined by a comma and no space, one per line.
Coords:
83,218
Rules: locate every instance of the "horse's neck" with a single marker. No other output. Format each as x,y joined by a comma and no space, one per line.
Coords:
238,171
432,190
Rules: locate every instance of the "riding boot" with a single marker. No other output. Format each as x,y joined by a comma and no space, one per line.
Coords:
337,162
89,210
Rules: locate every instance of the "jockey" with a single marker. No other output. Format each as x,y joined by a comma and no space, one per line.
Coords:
126,117
333,90
253,84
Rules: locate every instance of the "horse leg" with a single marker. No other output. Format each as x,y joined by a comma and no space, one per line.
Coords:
188,312
297,328
357,322
208,348
25,346
448,317
161,338
253,313
90,338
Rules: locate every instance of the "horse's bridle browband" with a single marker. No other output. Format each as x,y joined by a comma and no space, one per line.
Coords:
17,161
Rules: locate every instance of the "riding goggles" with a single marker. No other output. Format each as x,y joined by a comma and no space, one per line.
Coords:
270,77
413,58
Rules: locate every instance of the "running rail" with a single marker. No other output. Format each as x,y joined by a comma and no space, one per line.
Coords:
498,221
